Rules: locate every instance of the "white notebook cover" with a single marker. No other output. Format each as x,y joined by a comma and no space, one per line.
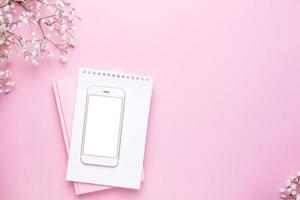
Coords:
128,173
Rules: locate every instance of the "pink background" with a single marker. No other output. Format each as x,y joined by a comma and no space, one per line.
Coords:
226,102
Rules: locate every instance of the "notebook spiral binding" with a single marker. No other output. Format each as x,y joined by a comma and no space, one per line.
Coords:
114,74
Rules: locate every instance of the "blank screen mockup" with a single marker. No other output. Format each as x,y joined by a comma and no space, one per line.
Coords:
102,126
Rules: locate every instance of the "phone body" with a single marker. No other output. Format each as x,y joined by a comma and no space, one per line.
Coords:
102,126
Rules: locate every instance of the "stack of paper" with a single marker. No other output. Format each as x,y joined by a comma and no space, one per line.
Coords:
65,93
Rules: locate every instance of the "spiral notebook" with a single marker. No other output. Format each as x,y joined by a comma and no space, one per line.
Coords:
64,92
128,172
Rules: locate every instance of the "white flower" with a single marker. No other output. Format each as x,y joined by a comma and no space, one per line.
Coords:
46,32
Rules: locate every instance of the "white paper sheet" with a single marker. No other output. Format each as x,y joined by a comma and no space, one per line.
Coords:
128,173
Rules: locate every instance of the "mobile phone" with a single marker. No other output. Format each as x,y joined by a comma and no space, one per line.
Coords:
102,126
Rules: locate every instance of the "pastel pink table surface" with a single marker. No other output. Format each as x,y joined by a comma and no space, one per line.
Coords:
225,116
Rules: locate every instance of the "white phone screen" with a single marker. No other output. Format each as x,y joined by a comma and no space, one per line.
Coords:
102,126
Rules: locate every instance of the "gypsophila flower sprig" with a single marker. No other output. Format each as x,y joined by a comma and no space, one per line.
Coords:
5,81
34,29
291,190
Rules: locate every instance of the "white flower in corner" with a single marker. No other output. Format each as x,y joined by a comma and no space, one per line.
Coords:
50,23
